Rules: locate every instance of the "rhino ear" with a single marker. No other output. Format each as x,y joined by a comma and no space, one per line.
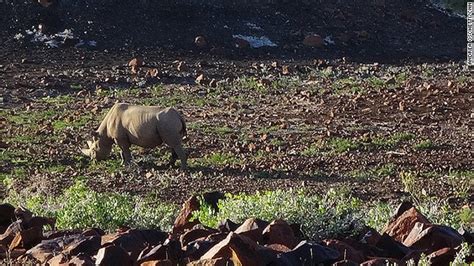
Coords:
86,152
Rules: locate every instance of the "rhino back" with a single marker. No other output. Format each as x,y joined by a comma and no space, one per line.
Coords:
140,125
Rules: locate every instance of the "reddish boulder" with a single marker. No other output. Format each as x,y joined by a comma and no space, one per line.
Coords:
238,248
88,246
400,225
309,253
183,221
279,232
252,228
81,260
27,238
391,248
346,251
170,249
194,234
432,237
57,260
442,256
113,255
278,248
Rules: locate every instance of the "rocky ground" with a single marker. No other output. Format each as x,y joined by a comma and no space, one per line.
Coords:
390,98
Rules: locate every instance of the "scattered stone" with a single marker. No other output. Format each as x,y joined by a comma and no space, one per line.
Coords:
279,232
252,228
313,40
210,262
202,80
194,234
183,220
27,238
58,259
391,248
135,64
227,226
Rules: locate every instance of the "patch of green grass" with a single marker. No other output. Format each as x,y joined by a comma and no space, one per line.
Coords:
376,172
312,150
81,207
250,83
347,86
58,100
218,159
424,145
392,140
376,82
268,130
461,182
341,145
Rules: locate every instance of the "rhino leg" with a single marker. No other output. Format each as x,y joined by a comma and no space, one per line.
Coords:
125,154
178,149
173,158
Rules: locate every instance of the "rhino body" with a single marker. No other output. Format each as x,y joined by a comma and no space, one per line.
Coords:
144,126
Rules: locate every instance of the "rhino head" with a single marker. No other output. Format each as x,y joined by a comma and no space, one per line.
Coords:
97,148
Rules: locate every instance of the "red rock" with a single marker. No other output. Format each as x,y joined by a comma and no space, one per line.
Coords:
313,40
346,251
279,232
57,260
88,246
278,248
240,248
81,260
381,262
183,221
194,234
442,256
392,248
227,226
432,237
401,225
10,233
310,253
113,255
200,41
252,228
170,249
210,262
27,238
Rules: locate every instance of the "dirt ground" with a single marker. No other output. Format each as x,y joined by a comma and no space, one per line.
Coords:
394,100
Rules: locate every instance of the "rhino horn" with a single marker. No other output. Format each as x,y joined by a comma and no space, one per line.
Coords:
89,144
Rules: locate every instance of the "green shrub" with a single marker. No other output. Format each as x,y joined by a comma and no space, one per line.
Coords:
81,207
319,216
